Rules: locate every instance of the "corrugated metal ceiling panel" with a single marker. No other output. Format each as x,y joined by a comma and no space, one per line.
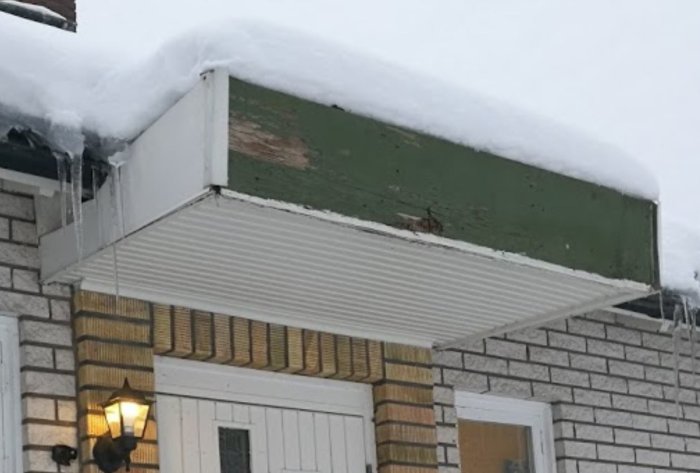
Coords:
234,256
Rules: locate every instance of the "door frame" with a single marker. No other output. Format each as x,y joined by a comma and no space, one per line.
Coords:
501,410
11,423
196,379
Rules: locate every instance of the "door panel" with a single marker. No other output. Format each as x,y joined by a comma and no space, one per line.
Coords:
281,440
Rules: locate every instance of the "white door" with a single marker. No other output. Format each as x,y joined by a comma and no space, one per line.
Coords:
10,434
220,419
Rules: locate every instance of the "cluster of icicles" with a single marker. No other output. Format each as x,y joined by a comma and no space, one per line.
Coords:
69,164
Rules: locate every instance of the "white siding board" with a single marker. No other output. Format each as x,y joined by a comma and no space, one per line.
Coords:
275,440
259,440
338,451
354,441
307,441
208,438
290,427
190,436
323,443
170,443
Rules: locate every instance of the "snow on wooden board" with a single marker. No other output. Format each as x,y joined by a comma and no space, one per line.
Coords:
531,82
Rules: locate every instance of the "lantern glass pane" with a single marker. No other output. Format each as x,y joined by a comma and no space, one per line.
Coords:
113,420
135,416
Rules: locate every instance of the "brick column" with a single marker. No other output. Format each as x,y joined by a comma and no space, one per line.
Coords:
404,415
46,355
112,344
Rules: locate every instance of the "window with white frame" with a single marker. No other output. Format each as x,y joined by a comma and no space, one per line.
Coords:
501,435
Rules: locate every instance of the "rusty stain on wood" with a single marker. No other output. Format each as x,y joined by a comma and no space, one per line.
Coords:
251,139
427,224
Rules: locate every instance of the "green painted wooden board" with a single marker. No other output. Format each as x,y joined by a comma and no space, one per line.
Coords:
289,149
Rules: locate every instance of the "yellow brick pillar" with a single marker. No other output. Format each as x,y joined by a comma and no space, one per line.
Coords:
112,343
404,415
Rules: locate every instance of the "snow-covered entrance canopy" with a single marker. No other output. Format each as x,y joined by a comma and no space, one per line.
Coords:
238,200
385,65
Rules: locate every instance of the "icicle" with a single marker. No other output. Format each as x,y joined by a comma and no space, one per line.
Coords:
665,323
122,224
62,184
677,322
115,263
98,213
117,205
76,175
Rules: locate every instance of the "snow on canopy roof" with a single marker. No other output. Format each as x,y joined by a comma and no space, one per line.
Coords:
527,82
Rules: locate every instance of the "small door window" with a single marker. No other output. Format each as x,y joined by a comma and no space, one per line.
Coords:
234,450
500,435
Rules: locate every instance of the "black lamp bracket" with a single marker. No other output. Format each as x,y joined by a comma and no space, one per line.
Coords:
110,454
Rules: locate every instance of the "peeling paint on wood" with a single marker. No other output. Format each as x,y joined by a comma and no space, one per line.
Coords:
251,139
289,149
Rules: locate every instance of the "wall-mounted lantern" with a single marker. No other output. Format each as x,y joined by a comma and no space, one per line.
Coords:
126,412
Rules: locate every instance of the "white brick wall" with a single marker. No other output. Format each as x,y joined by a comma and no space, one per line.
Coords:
609,379
46,345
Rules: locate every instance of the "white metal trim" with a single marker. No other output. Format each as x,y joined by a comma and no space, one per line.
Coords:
216,127
501,410
248,386
9,334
